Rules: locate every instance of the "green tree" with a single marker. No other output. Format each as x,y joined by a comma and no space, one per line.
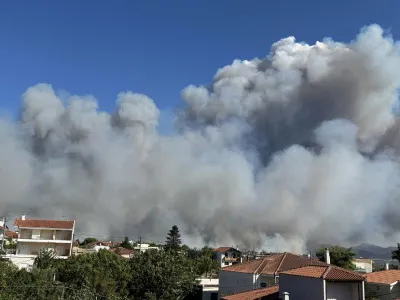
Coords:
161,275
396,253
45,259
103,273
341,257
126,244
173,242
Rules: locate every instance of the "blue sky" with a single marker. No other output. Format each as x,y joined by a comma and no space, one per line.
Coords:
158,47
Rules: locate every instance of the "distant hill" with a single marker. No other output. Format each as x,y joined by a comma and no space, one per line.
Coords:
373,251
366,250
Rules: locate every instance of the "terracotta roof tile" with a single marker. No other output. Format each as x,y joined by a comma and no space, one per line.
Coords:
9,233
274,263
329,273
224,249
254,294
385,277
99,243
122,251
56,224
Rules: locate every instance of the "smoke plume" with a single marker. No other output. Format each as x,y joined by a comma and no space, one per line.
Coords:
300,147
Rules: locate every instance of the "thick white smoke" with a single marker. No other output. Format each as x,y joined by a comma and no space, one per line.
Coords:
301,146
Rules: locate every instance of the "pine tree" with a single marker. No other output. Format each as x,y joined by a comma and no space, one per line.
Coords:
173,242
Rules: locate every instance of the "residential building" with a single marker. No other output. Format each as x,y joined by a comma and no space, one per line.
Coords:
98,245
321,282
260,273
227,256
34,235
268,293
363,265
209,288
125,253
144,247
384,285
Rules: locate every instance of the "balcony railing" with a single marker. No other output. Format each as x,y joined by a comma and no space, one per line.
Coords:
46,238
231,259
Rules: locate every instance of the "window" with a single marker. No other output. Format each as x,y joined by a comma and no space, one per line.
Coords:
226,264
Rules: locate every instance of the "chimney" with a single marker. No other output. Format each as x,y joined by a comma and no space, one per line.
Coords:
327,256
387,266
285,296
23,217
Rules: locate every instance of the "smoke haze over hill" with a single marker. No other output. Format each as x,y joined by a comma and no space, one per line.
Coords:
239,170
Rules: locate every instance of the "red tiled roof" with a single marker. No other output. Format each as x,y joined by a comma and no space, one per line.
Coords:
385,277
122,251
56,224
224,249
9,233
329,273
99,243
274,263
254,294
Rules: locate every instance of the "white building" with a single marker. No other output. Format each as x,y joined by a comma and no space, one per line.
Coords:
97,246
227,256
259,273
34,235
363,265
384,285
144,247
322,282
209,288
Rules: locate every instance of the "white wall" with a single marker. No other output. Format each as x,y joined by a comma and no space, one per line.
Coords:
22,262
34,248
342,290
363,265
301,288
235,282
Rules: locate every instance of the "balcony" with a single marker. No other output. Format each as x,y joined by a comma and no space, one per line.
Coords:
45,236
231,259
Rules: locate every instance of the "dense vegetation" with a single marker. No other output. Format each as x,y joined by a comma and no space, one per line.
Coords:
166,275
340,256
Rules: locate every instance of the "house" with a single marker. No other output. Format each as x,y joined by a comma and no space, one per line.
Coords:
144,247
125,253
9,241
260,273
34,235
227,256
268,293
321,282
98,245
209,288
384,285
363,265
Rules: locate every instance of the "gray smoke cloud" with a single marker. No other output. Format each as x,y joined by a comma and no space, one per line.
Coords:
295,149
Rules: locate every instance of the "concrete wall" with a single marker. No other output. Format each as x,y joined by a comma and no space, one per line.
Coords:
343,290
301,288
235,282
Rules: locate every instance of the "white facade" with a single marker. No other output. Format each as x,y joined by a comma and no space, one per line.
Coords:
228,258
363,265
308,288
32,240
209,288
144,247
